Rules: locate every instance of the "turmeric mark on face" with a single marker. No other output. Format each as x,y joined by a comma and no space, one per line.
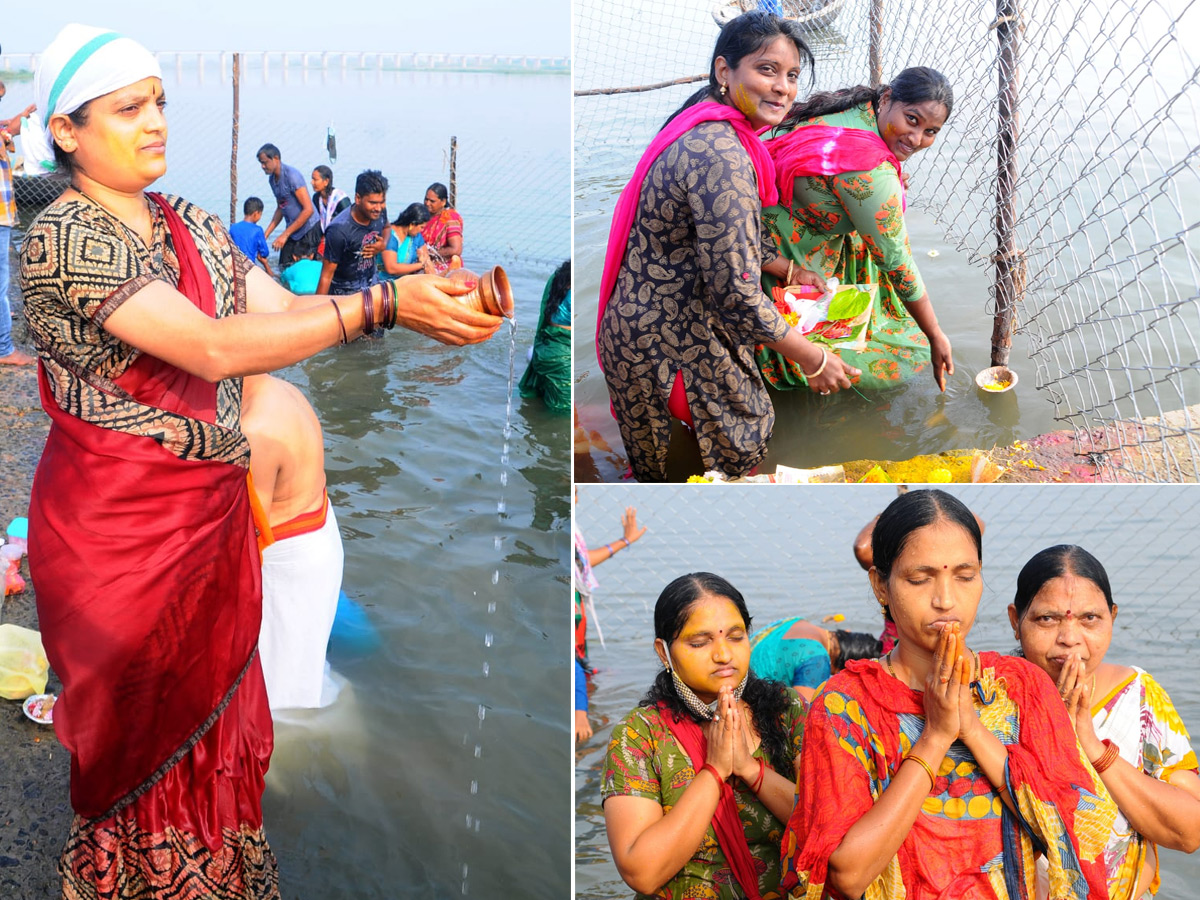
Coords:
741,100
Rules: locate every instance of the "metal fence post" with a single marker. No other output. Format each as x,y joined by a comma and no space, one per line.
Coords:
876,54
1010,262
237,81
453,171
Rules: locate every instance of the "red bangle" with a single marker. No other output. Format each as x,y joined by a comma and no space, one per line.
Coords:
1108,757
762,773
717,775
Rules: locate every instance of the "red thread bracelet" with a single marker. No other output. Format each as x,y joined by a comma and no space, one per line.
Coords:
762,773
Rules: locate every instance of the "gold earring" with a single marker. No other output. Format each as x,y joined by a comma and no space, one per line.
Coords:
724,90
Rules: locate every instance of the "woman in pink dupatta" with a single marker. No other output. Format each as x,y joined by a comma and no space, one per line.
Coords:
142,539
681,309
697,781
838,159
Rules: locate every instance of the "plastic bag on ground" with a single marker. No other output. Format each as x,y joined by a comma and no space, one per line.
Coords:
24,669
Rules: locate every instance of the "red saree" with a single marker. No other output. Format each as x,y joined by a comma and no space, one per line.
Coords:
438,231
144,556
964,843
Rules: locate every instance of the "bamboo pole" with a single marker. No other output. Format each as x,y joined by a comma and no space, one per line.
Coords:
875,51
453,171
237,81
1010,262
596,92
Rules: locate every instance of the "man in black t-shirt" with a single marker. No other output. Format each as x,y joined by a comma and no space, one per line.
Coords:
354,237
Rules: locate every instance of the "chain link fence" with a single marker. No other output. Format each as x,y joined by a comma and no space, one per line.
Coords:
502,120
1070,172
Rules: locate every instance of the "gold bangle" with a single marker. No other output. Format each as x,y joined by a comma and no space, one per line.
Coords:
788,281
820,368
924,765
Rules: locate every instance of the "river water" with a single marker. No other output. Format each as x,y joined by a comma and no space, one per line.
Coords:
788,550
442,769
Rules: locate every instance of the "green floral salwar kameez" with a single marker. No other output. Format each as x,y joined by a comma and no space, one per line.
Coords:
851,226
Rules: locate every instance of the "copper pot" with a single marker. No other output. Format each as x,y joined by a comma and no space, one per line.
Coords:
492,293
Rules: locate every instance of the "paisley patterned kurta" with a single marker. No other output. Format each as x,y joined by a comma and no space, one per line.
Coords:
645,760
851,226
688,301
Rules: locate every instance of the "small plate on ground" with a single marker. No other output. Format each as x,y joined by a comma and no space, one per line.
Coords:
996,380
40,708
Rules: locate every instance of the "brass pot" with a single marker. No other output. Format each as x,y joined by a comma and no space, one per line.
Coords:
492,293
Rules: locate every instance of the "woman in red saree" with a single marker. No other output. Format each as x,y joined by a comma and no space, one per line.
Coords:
697,781
443,232
937,772
143,545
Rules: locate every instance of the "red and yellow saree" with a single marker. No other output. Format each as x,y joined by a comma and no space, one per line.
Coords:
965,844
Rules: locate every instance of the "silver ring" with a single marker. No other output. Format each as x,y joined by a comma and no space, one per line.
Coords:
716,717
824,393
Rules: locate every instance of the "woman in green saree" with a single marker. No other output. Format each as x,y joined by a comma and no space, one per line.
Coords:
838,157
549,372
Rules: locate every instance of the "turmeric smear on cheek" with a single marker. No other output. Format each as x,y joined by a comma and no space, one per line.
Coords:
742,101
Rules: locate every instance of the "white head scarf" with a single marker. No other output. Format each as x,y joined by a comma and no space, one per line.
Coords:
81,64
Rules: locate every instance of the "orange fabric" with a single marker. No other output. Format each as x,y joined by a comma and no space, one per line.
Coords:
305,523
262,525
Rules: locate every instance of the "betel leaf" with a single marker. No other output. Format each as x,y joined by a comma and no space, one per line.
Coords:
848,302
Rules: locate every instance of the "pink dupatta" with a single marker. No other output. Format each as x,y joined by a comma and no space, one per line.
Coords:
828,150
622,223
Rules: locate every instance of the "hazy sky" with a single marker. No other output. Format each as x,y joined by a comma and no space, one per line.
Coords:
532,27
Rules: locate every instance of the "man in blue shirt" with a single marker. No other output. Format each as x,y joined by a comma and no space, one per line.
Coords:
293,205
354,237
248,234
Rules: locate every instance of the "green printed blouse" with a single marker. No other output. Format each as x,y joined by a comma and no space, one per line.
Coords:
644,760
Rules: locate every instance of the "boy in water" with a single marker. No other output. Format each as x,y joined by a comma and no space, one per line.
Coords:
248,234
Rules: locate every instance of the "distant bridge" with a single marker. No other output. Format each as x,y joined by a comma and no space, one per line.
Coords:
219,63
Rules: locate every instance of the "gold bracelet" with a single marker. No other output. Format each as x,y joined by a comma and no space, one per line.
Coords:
924,765
820,368
788,281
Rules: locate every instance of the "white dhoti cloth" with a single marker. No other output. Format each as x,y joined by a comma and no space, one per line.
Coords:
301,576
